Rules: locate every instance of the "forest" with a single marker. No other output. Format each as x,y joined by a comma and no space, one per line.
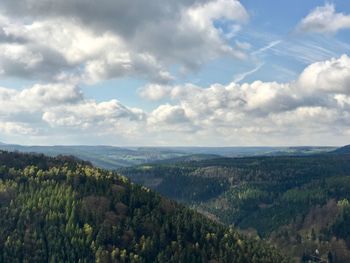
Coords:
65,210
298,203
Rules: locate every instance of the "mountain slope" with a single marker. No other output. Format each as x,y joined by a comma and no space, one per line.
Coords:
300,203
342,150
65,210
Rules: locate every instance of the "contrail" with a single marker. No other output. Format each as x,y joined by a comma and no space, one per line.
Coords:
267,47
242,76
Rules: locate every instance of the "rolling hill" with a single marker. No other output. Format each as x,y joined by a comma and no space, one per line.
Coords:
110,157
299,203
65,210
342,150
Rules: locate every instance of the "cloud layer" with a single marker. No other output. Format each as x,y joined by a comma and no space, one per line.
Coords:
112,39
68,44
53,109
316,103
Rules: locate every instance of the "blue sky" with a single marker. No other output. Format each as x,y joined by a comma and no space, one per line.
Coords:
270,21
191,72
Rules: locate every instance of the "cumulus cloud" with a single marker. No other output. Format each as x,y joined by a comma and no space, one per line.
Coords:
325,19
112,39
16,128
37,98
317,102
155,92
331,76
171,118
41,109
89,114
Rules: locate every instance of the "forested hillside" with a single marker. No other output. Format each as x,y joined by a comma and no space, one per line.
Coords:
64,210
300,203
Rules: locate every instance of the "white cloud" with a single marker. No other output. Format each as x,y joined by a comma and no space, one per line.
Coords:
168,115
113,39
17,128
331,76
89,114
203,15
265,112
324,19
155,92
257,113
37,98
68,42
42,110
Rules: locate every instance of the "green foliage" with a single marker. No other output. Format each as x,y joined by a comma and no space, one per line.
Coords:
64,210
180,183
264,194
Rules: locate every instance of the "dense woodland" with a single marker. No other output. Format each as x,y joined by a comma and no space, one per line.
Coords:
65,210
300,203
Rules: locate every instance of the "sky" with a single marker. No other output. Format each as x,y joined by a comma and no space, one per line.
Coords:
175,73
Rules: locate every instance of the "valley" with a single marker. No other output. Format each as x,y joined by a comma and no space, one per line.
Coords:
299,203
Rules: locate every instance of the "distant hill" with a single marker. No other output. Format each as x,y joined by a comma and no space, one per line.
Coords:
65,210
109,157
342,150
190,158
